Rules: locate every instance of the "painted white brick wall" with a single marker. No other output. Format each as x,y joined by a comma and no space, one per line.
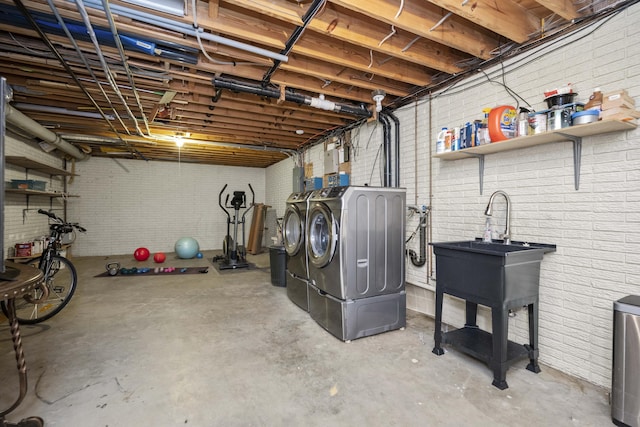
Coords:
596,229
21,219
125,204
280,185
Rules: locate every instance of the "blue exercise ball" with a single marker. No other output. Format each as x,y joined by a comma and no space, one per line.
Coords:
187,247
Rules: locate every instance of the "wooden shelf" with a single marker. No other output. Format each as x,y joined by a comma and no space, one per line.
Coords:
37,166
37,192
33,256
572,133
565,134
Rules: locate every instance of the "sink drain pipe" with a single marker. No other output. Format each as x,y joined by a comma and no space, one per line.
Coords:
422,231
321,103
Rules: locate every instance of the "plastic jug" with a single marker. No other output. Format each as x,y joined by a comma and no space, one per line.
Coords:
440,141
595,100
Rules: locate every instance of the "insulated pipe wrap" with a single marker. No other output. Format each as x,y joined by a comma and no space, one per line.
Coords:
34,128
290,96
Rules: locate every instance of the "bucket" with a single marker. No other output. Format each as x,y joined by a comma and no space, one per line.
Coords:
559,118
538,122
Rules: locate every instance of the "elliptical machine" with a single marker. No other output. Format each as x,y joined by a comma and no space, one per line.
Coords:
234,255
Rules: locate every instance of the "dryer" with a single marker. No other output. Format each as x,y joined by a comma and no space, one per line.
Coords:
293,231
355,248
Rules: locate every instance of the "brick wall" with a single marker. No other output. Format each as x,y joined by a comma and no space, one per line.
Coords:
22,223
130,203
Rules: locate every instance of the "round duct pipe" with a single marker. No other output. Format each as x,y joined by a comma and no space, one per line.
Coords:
34,128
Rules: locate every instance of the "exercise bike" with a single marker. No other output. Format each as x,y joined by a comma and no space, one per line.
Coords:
233,254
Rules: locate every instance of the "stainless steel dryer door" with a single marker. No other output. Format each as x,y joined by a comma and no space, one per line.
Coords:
293,230
322,235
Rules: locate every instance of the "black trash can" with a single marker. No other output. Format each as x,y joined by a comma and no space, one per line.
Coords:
278,261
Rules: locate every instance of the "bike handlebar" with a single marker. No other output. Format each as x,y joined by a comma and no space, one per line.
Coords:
61,221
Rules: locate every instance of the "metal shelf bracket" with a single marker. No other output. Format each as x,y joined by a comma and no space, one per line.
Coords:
480,158
577,156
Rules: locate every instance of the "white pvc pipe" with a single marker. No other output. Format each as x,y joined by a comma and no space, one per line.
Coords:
185,29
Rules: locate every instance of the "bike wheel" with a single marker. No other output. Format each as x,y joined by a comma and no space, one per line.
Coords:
60,280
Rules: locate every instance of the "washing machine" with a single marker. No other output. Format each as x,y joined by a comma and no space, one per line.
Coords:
293,231
355,247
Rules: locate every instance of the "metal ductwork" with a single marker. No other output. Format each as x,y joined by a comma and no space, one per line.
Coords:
34,128
320,102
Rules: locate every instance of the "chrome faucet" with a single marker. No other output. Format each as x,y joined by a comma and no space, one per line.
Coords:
507,231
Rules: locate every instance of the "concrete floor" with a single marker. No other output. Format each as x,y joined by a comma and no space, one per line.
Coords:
229,349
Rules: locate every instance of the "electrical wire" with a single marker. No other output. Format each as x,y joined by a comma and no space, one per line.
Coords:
399,9
517,64
105,67
391,34
198,30
34,52
25,12
123,57
84,60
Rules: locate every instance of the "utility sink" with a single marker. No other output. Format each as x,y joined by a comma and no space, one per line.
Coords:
501,277
496,248
490,273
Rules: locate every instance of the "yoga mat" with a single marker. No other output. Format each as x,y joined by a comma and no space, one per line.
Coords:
178,271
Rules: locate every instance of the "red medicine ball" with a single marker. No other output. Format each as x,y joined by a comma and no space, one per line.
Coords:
159,257
141,254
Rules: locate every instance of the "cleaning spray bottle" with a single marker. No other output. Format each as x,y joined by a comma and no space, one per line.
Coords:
487,231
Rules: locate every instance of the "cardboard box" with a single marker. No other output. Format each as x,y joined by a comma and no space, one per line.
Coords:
308,170
619,113
345,167
617,99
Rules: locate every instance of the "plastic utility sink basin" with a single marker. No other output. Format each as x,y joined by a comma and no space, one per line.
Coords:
495,248
489,273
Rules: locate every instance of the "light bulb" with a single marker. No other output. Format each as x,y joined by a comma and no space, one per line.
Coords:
378,95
